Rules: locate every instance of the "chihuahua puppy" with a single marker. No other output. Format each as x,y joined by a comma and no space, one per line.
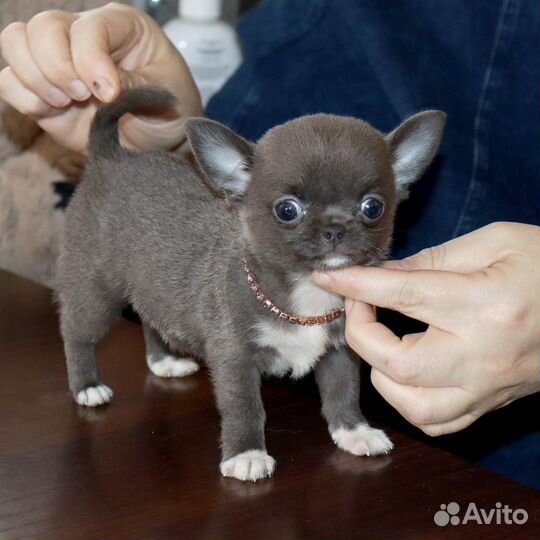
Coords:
217,259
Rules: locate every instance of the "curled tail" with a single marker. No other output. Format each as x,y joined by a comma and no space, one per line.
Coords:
103,138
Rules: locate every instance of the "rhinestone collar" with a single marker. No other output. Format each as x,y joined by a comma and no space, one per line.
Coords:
293,319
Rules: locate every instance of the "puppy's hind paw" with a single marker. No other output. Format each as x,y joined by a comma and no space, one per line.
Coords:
363,440
170,366
94,396
250,465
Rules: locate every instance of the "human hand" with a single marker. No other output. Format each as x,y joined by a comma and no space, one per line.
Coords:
480,296
62,65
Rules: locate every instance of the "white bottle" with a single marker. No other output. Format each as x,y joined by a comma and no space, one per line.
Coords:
209,46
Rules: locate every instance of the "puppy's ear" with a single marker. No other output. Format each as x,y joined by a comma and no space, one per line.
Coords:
413,145
224,157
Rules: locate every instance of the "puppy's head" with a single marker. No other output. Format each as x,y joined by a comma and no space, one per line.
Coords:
320,191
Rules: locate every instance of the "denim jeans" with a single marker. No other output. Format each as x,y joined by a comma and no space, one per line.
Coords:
384,60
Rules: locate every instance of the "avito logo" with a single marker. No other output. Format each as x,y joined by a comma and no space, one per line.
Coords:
501,514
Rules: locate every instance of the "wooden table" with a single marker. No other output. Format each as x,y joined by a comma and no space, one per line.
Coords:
146,467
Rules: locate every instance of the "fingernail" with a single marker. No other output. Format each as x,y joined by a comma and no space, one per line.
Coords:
104,89
57,98
349,304
321,278
79,90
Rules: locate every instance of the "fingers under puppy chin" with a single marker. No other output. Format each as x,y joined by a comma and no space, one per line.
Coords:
322,278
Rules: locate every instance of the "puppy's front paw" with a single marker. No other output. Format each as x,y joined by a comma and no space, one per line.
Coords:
251,465
362,440
170,366
94,396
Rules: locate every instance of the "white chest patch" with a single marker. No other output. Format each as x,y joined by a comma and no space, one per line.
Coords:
298,347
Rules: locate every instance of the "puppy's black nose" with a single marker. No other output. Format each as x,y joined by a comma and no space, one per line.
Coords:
334,234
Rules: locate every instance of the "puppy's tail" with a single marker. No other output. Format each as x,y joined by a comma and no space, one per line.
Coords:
103,139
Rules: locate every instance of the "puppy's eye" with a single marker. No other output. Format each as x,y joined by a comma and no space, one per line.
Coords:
371,208
289,210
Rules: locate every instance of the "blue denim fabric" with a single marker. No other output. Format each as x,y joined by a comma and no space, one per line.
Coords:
384,60
518,460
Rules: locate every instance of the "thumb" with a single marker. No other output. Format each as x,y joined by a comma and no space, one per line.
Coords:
468,253
101,40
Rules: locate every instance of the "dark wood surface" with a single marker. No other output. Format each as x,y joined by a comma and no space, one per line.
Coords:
146,467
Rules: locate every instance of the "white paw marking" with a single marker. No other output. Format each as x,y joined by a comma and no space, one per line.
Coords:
363,440
94,396
170,366
250,465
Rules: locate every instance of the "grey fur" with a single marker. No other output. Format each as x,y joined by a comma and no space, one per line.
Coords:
147,228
